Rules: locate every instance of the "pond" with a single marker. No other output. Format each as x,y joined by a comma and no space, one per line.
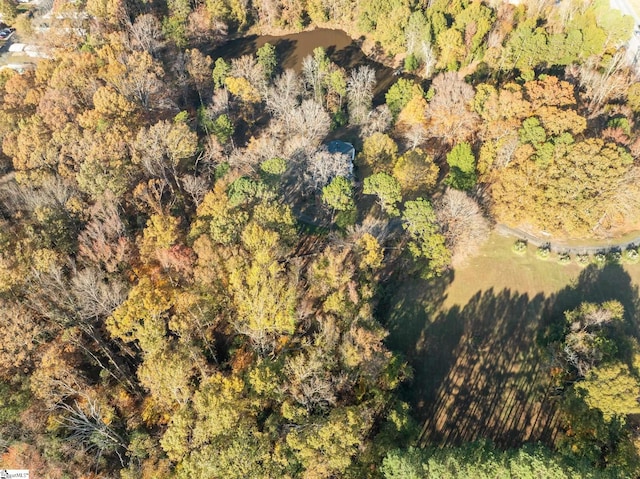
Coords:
293,48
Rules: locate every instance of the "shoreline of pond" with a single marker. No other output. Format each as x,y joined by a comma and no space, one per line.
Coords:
292,48
366,43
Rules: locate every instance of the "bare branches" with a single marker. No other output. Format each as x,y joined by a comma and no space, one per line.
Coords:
89,427
360,93
146,33
196,187
378,121
96,297
449,112
323,166
310,382
311,121
586,344
602,86
463,224
104,240
282,97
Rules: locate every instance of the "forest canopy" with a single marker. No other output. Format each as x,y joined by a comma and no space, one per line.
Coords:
192,282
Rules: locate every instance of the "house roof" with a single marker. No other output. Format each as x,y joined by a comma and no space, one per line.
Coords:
337,146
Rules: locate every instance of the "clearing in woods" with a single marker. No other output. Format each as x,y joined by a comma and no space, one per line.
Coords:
477,340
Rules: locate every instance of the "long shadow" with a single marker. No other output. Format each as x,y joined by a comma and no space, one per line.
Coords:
487,384
409,308
595,285
286,53
235,48
352,56
482,370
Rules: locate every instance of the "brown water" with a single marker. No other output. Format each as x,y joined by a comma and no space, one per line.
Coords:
292,49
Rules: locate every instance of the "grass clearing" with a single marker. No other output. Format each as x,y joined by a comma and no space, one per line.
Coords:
477,337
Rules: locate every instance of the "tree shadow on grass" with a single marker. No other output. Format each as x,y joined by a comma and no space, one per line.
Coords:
482,370
482,375
408,306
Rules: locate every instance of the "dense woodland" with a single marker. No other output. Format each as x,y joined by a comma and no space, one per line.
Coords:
190,280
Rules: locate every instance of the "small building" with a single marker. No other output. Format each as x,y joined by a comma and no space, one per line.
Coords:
344,148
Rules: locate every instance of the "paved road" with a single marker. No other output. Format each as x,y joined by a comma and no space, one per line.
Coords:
564,248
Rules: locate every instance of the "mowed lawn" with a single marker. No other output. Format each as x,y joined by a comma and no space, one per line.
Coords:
477,340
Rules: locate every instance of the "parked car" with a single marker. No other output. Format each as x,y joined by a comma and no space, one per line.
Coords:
6,33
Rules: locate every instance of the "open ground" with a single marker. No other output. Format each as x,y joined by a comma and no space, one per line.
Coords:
478,338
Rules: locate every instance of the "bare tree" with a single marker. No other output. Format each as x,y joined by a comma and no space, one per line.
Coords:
507,149
81,300
428,58
311,121
415,134
162,148
463,225
142,79
196,187
104,240
203,28
360,93
378,121
314,72
449,112
146,33
282,97
582,349
96,297
376,227
90,429
601,86
310,382
247,67
54,192
323,166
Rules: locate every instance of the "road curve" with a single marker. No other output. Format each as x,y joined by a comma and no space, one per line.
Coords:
563,248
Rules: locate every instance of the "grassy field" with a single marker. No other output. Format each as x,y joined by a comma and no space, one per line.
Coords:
477,337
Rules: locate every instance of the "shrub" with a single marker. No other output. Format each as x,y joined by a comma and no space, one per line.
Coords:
411,63
543,252
274,166
614,256
600,258
519,247
346,218
630,255
564,258
582,259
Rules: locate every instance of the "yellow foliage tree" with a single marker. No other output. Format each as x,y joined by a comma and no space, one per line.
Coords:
241,88
415,170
